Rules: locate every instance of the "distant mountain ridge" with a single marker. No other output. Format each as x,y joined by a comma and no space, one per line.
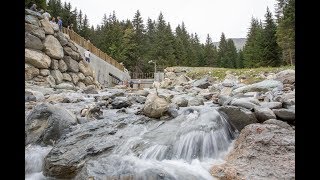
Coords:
238,42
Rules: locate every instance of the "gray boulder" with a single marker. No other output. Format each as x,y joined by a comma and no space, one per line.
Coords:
61,38
46,26
88,80
195,101
67,86
53,47
248,103
239,117
30,71
71,53
286,76
90,90
73,65
180,101
73,47
47,123
33,13
31,20
57,75
66,77
155,107
75,78
278,123
62,66
30,95
271,105
32,42
44,72
54,64
37,58
35,30
263,86
262,151
85,69
120,102
263,114
202,83
285,114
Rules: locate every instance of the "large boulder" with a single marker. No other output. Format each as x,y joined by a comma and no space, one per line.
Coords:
53,47
69,155
170,75
85,68
37,58
35,30
73,47
44,72
278,123
47,123
54,64
226,91
57,75
66,77
165,83
46,26
74,55
63,67
155,107
33,13
90,90
262,151
73,65
285,114
202,83
65,85
230,81
286,76
75,78
271,105
88,80
195,101
30,71
262,86
81,76
239,117
263,114
30,95
32,42
248,103
182,79
62,38
120,102
31,20
180,101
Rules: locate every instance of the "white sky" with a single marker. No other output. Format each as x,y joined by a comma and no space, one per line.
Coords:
201,16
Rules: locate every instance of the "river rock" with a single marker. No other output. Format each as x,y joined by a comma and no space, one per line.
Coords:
30,71
202,83
85,69
37,58
46,26
155,107
54,64
73,65
71,53
271,105
57,75
35,30
44,72
262,151
32,42
248,103
61,38
182,79
285,114
180,101
195,101
286,76
66,77
90,90
68,86
120,102
47,124
230,81
142,93
31,20
86,141
52,47
263,86
263,114
165,83
239,117
30,95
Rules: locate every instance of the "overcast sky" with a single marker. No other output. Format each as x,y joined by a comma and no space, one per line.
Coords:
200,16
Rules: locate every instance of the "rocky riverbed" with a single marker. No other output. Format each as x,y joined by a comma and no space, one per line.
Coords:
182,128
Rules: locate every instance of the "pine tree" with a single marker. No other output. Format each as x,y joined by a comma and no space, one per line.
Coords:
253,48
231,55
210,53
222,52
286,32
271,50
240,59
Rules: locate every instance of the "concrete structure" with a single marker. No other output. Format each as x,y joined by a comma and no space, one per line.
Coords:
104,72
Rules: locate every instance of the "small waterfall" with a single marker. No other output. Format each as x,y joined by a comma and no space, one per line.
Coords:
34,157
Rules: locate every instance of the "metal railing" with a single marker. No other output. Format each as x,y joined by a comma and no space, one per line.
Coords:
88,45
134,75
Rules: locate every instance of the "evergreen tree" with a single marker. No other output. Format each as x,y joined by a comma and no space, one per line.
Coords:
286,32
222,52
41,4
210,53
271,50
231,55
253,48
240,59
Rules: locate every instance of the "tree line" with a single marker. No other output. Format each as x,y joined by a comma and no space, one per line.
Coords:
135,42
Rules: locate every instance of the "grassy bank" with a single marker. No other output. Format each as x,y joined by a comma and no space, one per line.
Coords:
251,74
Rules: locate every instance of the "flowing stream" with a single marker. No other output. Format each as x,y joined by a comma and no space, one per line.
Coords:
182,148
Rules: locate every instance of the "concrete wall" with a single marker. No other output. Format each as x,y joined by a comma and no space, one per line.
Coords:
102,69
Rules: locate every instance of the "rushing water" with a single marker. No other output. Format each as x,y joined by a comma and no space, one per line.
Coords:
182,148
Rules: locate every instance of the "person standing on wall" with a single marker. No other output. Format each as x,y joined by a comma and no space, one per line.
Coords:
34,7
87,55
59,23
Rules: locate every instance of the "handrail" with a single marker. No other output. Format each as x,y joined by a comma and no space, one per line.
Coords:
88,45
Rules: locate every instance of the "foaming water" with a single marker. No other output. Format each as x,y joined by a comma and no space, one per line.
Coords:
34,157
